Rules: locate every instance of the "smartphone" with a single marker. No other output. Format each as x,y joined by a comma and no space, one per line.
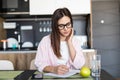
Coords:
37,76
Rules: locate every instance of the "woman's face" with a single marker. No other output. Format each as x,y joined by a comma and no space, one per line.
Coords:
64,26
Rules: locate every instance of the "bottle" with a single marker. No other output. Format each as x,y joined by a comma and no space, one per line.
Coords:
4,44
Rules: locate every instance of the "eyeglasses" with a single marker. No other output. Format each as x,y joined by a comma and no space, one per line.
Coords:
62,26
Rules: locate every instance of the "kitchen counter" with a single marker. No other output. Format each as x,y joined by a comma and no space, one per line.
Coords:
19,51
22,58
34,51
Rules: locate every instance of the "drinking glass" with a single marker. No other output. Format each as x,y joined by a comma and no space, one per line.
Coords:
96,65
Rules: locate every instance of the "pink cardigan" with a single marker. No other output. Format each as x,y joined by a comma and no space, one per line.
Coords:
45,55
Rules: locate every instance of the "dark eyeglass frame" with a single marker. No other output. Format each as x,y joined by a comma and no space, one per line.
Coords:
62,26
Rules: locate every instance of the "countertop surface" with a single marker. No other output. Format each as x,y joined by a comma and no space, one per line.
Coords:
19,51
34,51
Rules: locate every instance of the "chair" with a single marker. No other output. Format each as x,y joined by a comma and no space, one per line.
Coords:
6,65
32,65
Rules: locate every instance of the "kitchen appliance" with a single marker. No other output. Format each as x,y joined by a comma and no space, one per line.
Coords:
14,6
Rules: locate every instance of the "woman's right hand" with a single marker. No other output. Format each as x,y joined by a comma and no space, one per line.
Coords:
61,69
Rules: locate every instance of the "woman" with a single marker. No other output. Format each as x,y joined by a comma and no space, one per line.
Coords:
59,51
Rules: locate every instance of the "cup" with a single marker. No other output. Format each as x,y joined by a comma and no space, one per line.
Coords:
96,65
14,46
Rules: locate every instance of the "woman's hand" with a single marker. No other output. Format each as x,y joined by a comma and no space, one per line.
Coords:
61,69
70,45
69,38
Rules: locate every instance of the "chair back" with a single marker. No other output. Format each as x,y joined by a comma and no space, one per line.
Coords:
32,65
88,56
6,65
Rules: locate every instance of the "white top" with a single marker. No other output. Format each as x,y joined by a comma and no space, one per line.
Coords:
45,55
64,53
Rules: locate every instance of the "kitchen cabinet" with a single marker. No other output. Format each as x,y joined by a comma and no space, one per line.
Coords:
77,7
46,7
20,59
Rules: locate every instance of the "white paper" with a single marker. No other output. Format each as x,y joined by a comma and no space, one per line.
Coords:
70,73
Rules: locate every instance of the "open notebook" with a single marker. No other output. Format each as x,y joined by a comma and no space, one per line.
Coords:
70,73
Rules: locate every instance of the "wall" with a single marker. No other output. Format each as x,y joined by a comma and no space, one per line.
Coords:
106,34
42,27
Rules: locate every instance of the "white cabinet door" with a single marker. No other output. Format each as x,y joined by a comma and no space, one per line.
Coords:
41,7
75,6
46,7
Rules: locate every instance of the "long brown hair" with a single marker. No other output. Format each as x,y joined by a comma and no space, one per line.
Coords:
55,34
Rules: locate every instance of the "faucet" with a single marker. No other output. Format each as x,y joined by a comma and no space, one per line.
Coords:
19,42
19,39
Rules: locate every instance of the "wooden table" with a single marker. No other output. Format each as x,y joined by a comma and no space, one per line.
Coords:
26,75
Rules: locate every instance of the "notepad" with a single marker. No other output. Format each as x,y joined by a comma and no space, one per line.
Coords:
70,73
